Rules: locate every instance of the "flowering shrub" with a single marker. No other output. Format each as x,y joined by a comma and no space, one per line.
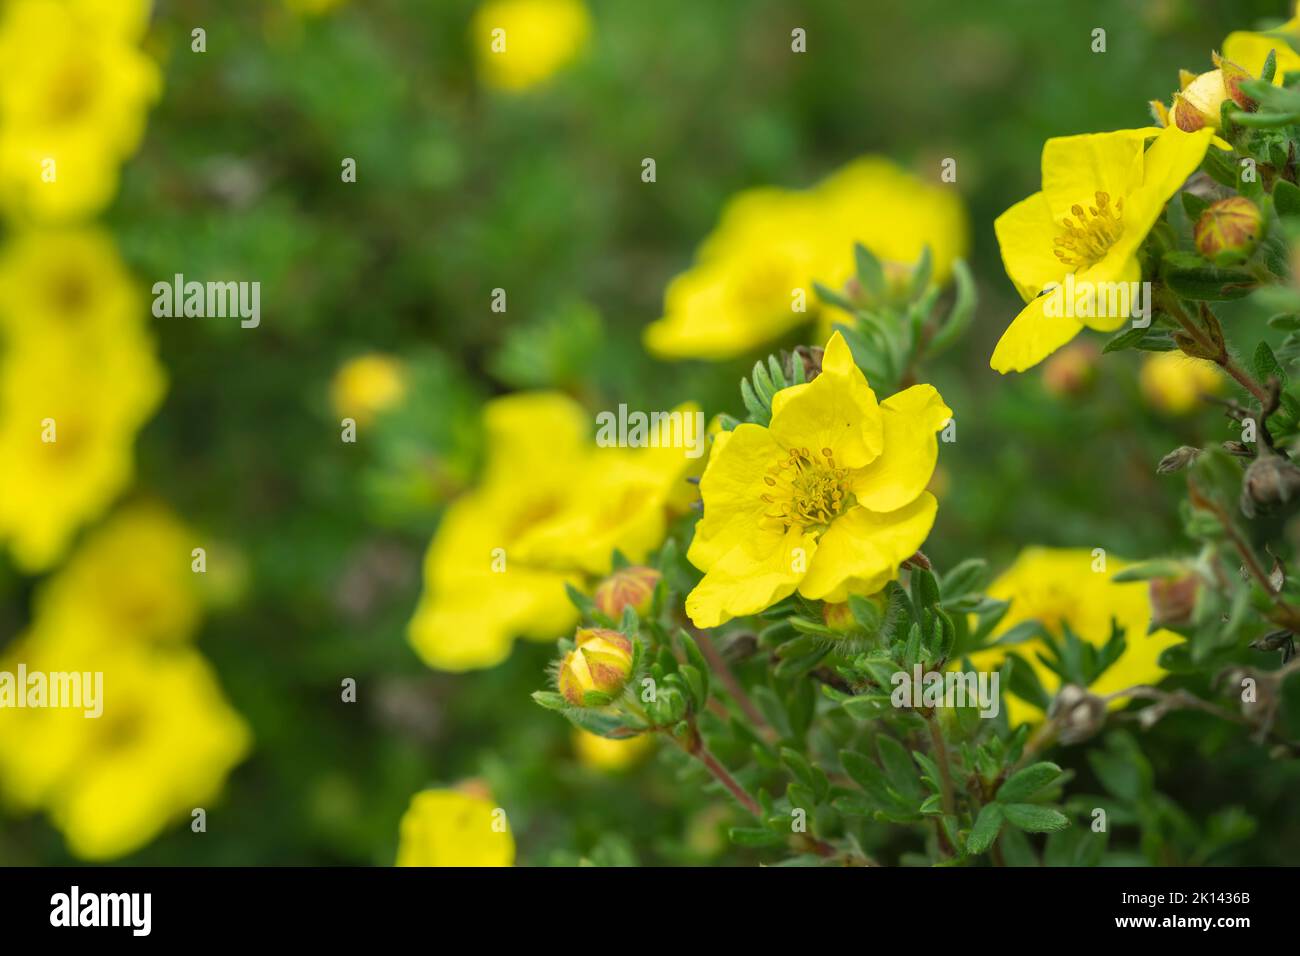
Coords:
648,433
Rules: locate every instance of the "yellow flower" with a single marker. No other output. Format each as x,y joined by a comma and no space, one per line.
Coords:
67,421
894,214
453,828
521,43
550,508
1250,50
79,110
78,379
753,278
1101,195
367,385
1059,587
133,576
608,754
164,744
828,499
1173,383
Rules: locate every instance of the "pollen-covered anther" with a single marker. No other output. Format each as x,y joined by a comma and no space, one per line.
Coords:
1086,241
808,491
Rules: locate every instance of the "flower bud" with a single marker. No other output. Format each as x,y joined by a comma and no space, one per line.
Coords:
1071,370
810,356
1229,230
1080,714
839,618
1173,600
1269,481
1200,103
601,661
628,587
1177,460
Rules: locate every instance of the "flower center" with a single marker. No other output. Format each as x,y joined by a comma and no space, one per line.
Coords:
1091,233
805,490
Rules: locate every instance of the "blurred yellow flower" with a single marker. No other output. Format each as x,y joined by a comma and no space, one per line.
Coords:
613,756
550,508
79,109
67,422
1059,587
753,278
132,575
1101,195
454,828
163,746
521,43
70,285
166,739
78,379
1173,383
367,385
828,499
1249,50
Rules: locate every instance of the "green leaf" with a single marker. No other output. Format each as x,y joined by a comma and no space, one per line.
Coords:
763,383
755,837
963,310
1191,277
757,410
1032,818
550,700
832,297
1286,198
986,829
1149,339
870,272
865,612
925,589
921,274
1022,681
899,768
1023,784
1267,365
579,600
966,577
1194,205
697,660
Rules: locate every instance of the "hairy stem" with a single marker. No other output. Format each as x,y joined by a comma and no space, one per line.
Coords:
734,688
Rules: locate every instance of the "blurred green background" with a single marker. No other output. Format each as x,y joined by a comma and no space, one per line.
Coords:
462,189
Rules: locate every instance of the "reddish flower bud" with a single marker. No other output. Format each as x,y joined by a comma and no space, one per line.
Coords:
629,587
1229,230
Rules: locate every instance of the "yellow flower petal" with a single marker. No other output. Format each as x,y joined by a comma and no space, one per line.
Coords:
733,488
478,596
763,569
1110,282
1031,337
1250,50
533,434
1075,168
1172,158
837,411
911,450
1023,232
450,828
862,549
